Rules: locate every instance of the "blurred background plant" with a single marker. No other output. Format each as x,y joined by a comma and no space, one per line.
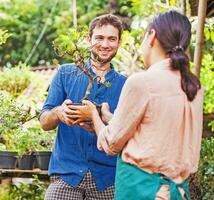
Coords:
22,191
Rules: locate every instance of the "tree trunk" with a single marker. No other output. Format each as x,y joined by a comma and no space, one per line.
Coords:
183,7
114,8
200,36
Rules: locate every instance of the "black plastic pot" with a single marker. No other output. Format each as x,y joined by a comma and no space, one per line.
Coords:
42,159
8,159
26,162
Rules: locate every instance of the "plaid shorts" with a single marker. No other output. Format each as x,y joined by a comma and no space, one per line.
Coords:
86,190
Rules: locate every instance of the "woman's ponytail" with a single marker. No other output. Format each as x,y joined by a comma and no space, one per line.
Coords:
189,82
173,31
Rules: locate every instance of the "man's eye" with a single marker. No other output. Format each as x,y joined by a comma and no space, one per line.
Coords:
99,38
112,39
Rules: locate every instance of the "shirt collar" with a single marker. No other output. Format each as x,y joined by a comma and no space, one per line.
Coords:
108,76
163,64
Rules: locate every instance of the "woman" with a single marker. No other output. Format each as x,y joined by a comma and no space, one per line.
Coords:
157,126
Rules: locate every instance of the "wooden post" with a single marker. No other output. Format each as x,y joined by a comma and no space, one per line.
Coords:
183,7
74,11
200,36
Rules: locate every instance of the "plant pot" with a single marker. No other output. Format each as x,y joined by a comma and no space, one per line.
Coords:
8,159
98,106
42,159
26,162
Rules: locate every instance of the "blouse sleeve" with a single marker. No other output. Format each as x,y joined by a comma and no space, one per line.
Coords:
128,115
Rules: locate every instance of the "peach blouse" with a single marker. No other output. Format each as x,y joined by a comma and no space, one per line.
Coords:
155,127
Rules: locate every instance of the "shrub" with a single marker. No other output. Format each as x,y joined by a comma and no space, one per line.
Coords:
33,191
15,80
206,168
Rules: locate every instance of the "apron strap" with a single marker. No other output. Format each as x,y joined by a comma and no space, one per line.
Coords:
174,188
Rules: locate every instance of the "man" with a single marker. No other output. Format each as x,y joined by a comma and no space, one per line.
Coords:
77,168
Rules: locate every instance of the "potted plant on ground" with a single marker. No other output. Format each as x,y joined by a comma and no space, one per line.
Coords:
8,154
43,141
26,145
12,117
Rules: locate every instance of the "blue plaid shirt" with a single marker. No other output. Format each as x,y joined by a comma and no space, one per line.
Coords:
75,151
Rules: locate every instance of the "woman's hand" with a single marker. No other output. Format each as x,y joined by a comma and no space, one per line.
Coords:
84,112
105,113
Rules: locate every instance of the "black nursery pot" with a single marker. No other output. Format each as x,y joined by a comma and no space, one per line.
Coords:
42,159
26,162
8,159
98,106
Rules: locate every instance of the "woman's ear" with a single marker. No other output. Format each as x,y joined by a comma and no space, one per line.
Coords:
152,37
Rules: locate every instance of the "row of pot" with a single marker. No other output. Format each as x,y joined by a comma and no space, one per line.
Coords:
10,160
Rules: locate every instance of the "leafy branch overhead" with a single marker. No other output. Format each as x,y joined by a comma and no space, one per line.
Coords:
75,46
4,35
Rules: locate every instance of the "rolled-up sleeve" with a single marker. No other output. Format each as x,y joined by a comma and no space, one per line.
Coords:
128,115
56,93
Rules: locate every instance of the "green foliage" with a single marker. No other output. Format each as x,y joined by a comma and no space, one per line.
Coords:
139,8
33,191
206,168
12,116
128,59
209,35
87,11
43,140
207,80
26,143
25,20
34,139
3,36
73,44
15,80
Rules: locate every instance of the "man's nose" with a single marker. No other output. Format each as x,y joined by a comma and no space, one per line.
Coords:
105,43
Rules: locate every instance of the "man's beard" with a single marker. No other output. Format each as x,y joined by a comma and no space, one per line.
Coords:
97,58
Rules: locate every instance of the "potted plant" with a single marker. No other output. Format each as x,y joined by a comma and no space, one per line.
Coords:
43,143
12,118
75,46
25,145
8,154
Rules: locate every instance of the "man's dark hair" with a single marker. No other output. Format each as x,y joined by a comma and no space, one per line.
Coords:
107,19
173,31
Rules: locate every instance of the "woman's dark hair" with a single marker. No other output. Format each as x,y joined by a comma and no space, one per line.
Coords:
173,31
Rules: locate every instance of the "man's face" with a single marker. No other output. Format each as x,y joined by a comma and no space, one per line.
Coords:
107,43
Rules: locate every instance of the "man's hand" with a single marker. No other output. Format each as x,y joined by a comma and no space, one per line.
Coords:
64,113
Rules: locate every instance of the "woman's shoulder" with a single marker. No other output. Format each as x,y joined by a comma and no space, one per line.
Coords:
137,80
138,76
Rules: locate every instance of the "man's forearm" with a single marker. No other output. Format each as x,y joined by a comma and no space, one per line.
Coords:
49,119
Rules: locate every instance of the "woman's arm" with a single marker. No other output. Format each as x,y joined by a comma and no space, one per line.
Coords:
127,117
